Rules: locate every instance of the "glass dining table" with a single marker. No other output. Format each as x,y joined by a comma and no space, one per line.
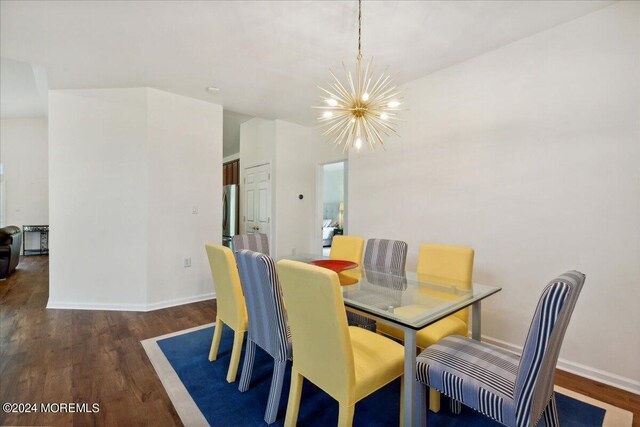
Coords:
409,302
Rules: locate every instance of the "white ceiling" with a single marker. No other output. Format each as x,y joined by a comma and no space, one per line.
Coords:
266,57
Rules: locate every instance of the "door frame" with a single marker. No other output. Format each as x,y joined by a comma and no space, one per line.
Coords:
319,211
243,199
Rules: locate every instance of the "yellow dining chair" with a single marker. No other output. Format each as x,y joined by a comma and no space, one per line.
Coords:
231,309
347,362
347,248
443,264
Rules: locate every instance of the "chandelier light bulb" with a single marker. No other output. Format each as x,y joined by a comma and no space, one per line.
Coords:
365,97
332,102
384,116
358,144
327,114
393,104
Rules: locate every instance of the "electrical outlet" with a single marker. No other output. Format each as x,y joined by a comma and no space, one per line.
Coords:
194,210
187,262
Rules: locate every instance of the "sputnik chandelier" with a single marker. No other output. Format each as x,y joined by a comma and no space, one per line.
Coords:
362,109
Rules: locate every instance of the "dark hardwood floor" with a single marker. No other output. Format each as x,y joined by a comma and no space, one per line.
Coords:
96,357
83,356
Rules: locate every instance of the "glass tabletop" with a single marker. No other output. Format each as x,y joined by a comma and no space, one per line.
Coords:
405,298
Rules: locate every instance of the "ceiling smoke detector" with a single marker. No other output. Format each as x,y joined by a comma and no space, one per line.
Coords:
213,89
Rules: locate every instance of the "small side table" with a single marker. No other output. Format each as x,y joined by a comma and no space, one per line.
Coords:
43,230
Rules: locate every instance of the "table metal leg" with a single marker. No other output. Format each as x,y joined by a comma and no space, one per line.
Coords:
409,377
476,320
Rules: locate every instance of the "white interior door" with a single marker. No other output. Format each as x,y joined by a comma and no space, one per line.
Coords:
257,196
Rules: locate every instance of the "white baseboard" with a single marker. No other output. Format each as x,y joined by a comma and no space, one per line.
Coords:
62,305
180,301
595,374
129,307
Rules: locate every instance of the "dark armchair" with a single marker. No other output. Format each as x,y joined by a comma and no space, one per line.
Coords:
10,243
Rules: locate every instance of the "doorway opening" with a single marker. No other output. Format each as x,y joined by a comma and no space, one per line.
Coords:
334,203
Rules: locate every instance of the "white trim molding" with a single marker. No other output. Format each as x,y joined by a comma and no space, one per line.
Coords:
129,307
231,158
180,301
595,374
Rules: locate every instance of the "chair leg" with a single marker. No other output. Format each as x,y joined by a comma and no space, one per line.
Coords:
215,343
455,406
279,366
238,338
247,366
421,407
551,413
345,416
434,400
293,405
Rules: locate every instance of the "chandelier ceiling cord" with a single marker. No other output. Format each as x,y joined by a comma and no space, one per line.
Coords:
359,111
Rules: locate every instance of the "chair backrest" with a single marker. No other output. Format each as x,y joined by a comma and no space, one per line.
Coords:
383,254
268,324
319,332
230,301
534,382
348,248
452,265
383,289
257,242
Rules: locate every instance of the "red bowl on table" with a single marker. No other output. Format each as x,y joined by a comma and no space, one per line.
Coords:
336,265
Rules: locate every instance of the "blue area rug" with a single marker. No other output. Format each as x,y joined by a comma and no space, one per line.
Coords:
223,405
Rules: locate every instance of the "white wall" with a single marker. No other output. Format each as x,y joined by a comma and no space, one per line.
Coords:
295,175
231,122
98,210
257,146
295,153
126,167
24,155
531,155
184,139
257,141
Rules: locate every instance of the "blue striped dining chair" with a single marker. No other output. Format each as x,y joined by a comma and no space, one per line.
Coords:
268,325
515,391
385,256
257,242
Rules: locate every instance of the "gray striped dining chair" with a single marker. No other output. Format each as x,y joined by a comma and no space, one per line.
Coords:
515,391
385,256
257,242
268,326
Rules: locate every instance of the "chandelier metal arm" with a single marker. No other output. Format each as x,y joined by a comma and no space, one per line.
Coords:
359,29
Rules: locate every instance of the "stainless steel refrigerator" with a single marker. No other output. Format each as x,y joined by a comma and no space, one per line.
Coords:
229,213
